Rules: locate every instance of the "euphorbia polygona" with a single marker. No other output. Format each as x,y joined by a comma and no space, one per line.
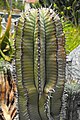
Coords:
40,64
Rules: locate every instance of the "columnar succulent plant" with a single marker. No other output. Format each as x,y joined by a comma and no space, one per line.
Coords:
71,101
40,64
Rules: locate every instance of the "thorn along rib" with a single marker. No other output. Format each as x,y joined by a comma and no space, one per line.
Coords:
40,64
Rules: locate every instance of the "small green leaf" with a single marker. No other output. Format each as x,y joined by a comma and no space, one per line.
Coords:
7,58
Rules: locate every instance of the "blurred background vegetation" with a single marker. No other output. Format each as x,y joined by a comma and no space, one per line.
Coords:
68,10
14,4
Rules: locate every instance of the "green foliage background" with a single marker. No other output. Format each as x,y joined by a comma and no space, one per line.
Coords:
1,4
15,5
72,34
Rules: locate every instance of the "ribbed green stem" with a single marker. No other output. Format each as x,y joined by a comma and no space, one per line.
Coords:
40,63
28,64
22,100
56,101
